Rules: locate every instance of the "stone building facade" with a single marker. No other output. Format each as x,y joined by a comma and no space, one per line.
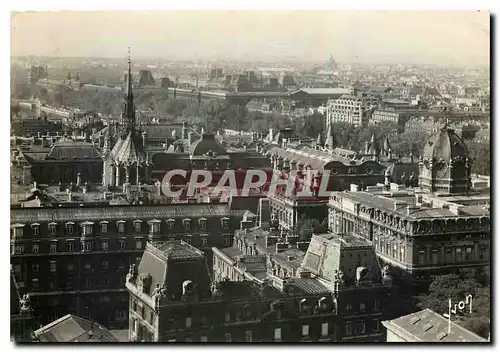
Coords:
74,260
443,224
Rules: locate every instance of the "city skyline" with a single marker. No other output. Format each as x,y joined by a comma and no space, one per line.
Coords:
416,37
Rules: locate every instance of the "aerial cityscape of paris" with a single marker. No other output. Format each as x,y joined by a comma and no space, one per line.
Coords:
250,177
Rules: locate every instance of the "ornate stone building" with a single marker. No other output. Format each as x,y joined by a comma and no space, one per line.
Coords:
339,270
74,260
440,225
172,298
325,167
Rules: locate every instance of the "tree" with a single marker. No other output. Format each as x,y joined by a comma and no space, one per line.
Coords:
457,287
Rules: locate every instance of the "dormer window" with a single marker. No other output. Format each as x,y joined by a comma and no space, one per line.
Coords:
52,228
187,224
36,229
121,226
104,227
69,227
225,224
138,226
170,224
203,224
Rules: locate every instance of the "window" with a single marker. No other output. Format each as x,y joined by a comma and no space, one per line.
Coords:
34,283
104,265
448,256
35,268
348,328
71,266
376,305
36,247
87,267
155,227
204,241
468,253
227,241
138,244
376,325
36,229
225,224
104,245
188,322
19,249
53,267
305,330
18,231
69,283
421,257
435,257
53,247
121,265
151,318
402,257
482,253
138,226
361,326
248,336
104,227
121,226
52,229
87,229
203,339
105,283
122,244
227,337
324,329
120,315
69,228
88,281
71,246
203,224
187,224
171,224
348,308
458,254
277,334
362,307
227,317
87,246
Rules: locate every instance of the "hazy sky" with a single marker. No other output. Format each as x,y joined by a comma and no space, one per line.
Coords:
459,37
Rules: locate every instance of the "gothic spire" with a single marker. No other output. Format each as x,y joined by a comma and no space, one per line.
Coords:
128,112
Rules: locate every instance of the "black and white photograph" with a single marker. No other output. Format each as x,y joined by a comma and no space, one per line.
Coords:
239,176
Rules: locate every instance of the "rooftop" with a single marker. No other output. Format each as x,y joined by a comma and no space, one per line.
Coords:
429,326
71,328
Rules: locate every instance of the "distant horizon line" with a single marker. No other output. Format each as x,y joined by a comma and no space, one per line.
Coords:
274,61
